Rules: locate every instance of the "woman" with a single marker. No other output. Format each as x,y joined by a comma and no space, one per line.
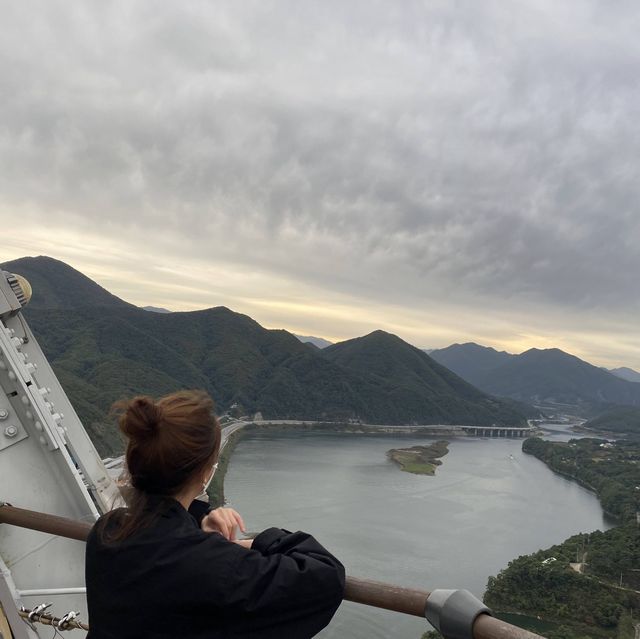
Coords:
165,567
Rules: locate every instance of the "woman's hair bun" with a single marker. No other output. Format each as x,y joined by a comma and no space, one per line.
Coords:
140,418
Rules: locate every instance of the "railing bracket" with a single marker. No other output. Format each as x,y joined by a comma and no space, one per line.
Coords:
453,612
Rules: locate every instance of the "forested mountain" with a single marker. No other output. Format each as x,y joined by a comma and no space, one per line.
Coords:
553,374
58,285
112,349
102,354
539,376
471,361
618,419
411,381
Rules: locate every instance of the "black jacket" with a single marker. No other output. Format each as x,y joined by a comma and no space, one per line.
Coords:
174,580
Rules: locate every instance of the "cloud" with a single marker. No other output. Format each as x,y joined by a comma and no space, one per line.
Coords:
473,158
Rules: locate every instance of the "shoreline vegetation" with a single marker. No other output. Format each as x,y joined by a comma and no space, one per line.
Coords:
588,585
419,460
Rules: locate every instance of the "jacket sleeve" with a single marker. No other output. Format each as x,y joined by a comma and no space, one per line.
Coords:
198,509
287,585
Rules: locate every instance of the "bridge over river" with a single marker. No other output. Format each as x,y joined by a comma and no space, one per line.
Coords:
499,431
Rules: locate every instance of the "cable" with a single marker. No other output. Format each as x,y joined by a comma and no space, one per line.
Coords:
25,339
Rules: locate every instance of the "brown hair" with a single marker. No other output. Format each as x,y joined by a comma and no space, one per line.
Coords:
170,441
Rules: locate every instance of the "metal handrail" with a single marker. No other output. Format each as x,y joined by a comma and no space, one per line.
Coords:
363,591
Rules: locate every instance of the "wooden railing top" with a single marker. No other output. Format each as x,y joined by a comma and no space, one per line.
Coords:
363,591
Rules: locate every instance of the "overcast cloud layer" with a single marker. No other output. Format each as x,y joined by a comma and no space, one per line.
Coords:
452,171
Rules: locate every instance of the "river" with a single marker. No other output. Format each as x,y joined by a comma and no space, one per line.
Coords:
487,504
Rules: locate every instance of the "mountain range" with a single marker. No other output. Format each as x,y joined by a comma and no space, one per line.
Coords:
627,373
320,342
539,376
103,348
155,309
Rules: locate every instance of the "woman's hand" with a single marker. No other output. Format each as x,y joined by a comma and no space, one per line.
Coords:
225,521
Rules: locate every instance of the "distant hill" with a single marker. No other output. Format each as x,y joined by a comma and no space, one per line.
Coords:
155,309
626,373
58,285
104,352
471,361
320,342
414,386
619,419
539,376
553,375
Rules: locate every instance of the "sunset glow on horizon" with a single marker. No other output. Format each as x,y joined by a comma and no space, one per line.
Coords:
448,173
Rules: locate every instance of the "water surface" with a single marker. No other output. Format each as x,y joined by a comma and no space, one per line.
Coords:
487,504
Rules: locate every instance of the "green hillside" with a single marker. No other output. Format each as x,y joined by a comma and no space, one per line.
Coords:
106,353
102,354
414,386
552,374
539,376
108,349
574,606
58,285
609,469
589,585
619,419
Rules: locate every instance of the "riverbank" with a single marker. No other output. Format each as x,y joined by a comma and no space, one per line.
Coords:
589,583
544,586
606,468
336,428
419,430
216,487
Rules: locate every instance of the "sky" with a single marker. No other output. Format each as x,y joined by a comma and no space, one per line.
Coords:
449,171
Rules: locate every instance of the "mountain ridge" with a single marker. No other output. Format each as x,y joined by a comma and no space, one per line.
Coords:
318,342
624,372
57,285
470,360
104,352
541,376
380,356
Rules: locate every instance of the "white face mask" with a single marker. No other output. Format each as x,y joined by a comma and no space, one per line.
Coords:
206,483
